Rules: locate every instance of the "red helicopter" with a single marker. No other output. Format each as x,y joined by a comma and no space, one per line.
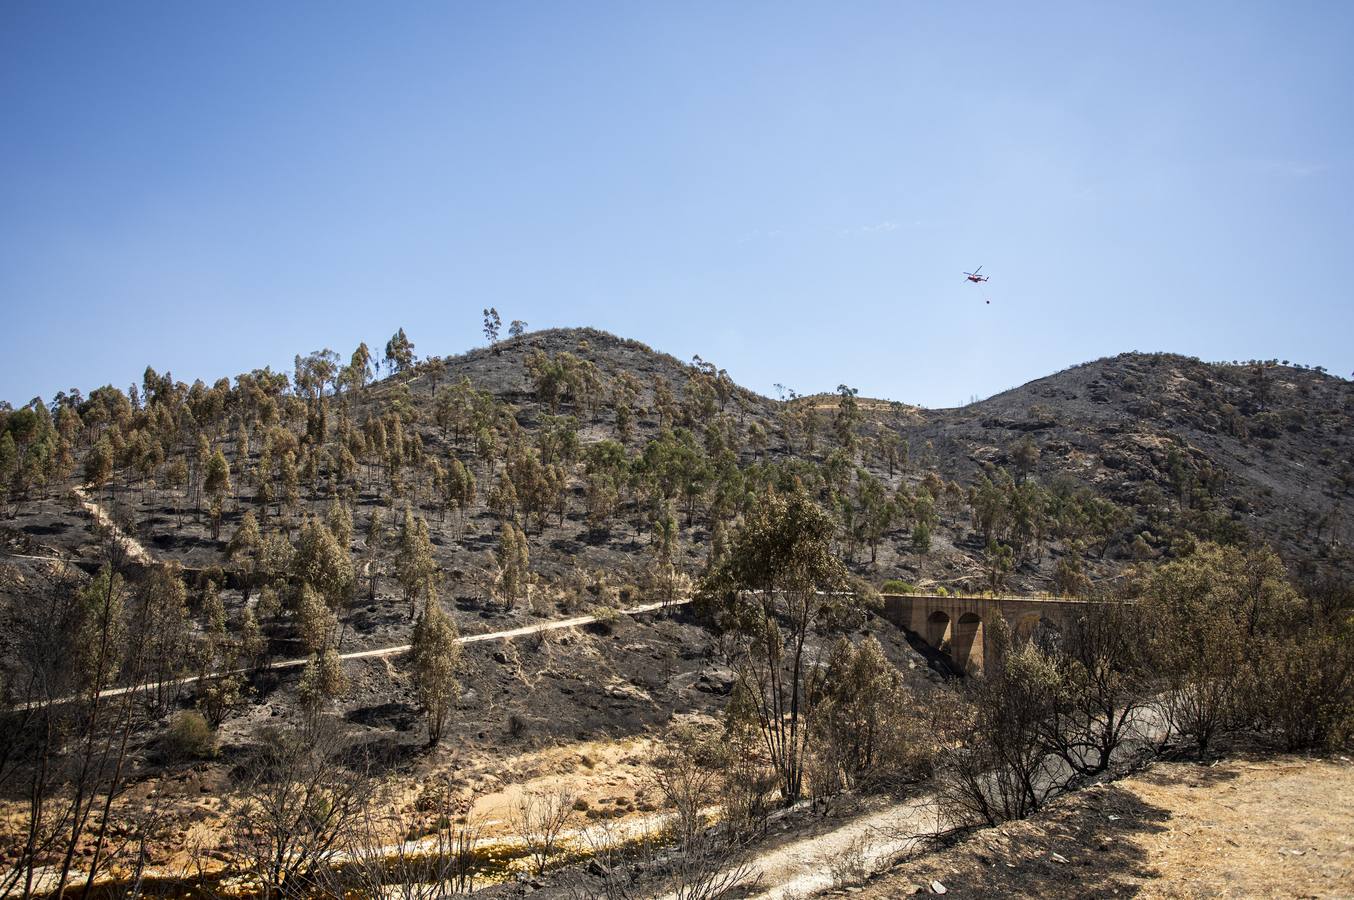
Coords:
978,279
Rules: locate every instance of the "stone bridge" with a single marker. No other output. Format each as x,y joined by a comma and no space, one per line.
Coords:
960,626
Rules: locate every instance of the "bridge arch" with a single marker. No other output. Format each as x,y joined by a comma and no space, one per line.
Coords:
1025,627
1033,626
938,630
968,643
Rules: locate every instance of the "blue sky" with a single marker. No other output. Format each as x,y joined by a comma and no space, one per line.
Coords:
788,189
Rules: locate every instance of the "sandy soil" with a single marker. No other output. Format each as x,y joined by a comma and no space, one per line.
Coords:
608,778
1277,827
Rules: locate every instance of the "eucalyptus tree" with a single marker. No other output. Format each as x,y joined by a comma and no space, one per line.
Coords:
98,463
460,488
492,323
514,560
289,480
1204,613
339,518
325,565
436,658
415,568
244,549
780,586
176,474
216,483
358,371
399,352
847,417
313,372
322,680
374,539
876,513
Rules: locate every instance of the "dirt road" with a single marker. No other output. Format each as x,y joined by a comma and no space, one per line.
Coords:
507,634
804,867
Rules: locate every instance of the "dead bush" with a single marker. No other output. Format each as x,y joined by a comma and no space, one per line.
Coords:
998,766
436,857
297,801
539,820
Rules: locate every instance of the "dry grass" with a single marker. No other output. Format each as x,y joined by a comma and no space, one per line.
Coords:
1243,828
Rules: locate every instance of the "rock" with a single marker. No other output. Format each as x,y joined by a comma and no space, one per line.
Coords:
938,888
716,680
596,868
1057,857
624,691
500,657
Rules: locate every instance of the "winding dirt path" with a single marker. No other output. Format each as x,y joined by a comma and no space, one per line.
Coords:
803,867
131,545
395,650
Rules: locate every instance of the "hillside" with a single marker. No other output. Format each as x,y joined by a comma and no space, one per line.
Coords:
624,469
1179,446
303,519
1215,448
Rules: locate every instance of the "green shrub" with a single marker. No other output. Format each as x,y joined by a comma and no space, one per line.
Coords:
189,736
897,586
921,539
